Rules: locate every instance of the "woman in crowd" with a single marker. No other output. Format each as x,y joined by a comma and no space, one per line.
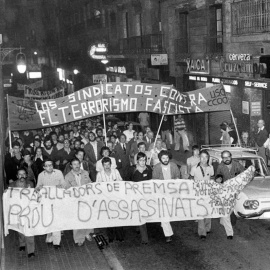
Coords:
105,152
142,172
109,175
225,137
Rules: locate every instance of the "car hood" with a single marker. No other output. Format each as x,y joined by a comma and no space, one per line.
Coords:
258,188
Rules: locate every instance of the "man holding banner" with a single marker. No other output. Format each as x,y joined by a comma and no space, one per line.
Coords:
54,178
166,170
76,178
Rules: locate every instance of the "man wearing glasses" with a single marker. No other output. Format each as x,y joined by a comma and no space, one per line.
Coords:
54,178
226,170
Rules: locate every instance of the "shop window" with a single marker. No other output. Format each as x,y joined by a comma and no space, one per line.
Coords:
263,70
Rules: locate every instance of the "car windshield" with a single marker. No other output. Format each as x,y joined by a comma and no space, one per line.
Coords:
258,163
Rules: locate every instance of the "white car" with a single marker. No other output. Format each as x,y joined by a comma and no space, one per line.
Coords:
254,201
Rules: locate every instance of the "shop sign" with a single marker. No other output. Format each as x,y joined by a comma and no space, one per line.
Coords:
117,69
159,59
256,108
243,67
245,107
98,51
197,66
239,56
256,84
209,79
99,78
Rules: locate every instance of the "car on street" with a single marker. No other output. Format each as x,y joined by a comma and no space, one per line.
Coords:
254,200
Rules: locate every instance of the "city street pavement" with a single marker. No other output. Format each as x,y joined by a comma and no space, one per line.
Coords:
249,250
69,257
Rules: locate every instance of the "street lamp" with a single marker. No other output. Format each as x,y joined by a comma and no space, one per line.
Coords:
21,62
76,71
105,61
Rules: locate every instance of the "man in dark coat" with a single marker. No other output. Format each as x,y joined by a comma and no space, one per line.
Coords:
122,150
92,154
261,137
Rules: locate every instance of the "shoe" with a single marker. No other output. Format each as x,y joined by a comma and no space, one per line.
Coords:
230,237
30,255
168,239
203,237
88,237
80,244
22,249
56,246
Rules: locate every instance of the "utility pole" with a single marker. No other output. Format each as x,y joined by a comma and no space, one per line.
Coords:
2,125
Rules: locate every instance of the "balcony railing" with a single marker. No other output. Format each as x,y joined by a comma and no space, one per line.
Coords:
147,44
250,17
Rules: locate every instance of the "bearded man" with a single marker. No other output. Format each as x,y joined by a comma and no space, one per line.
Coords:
50,151
26,242
226,170
166,170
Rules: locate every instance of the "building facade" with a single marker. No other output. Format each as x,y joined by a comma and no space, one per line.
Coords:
214,41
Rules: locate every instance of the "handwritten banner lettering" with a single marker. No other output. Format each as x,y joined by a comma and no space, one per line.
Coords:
110,204
114,98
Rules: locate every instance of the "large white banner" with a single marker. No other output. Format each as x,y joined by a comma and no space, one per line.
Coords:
110,204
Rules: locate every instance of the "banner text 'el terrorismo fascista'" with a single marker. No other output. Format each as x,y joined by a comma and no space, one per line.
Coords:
114,98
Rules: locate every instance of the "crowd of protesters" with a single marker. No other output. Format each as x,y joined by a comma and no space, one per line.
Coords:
82,152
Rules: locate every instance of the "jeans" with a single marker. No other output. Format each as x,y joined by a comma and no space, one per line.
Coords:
177,135
204,226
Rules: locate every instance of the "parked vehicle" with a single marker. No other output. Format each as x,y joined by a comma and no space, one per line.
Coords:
254,201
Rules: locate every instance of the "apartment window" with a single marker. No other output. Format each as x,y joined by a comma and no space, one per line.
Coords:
215,39
183,43
219,22
250,17
138,24
125,25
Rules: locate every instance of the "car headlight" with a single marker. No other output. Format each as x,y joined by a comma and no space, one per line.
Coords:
251,204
